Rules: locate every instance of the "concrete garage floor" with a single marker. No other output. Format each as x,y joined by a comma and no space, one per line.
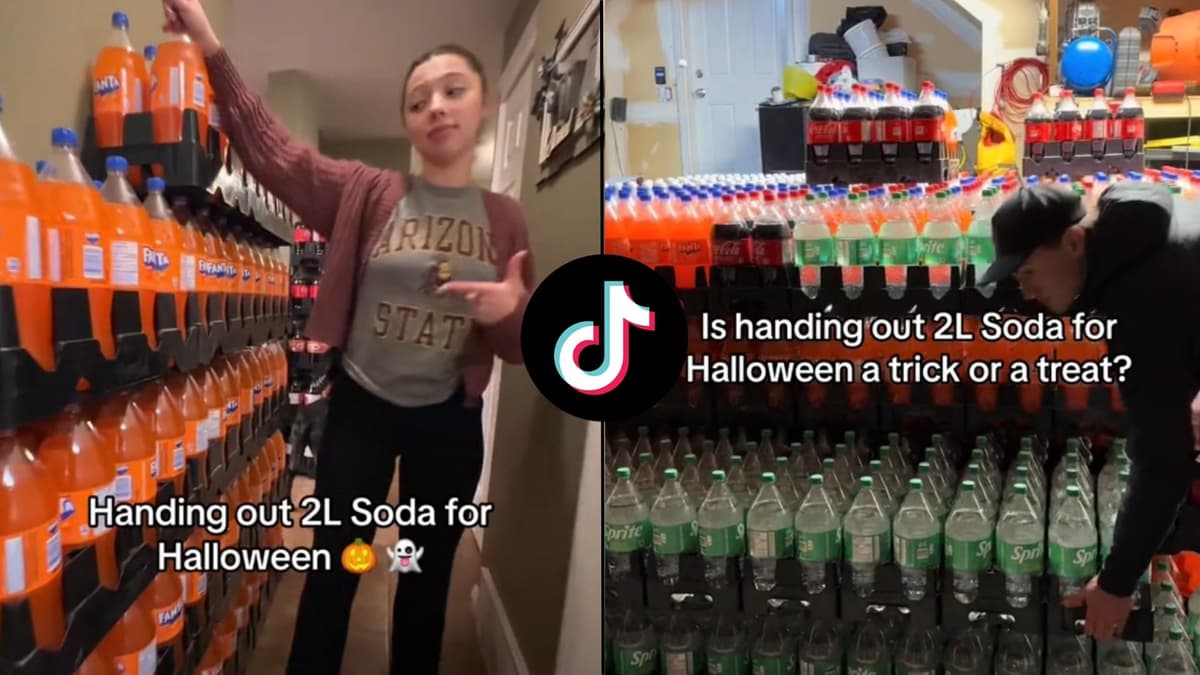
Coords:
371,617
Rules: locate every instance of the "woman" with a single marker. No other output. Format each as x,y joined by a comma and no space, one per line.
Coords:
425,280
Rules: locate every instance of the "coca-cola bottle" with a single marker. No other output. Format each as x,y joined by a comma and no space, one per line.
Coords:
1098,128
823,117
928,118
856,124
1068,125
730,236
1130,124
892,126
1039,129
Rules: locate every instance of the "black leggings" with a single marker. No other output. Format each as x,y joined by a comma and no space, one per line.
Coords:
442,450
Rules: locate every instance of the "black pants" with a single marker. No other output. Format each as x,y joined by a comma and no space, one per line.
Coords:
442,455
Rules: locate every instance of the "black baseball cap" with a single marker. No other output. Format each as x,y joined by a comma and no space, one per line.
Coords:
1035,215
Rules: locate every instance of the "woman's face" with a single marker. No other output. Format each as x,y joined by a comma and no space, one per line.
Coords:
443,108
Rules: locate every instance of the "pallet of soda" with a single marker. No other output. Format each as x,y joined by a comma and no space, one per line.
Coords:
88,591
950,540
1109,138
103,289
893,136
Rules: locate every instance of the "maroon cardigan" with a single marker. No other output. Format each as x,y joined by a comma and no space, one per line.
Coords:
350,203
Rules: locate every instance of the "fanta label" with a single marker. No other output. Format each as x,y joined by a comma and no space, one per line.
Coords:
73,514
30,559
106,86
187,272
172,457
196,437
169,620
195,586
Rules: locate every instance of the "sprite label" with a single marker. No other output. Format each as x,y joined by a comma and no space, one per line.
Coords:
722,542
682,663
775,665
728,664
816,252
819,547
857,251
772,543
1073,562
675,539
969,556
942,251
980,249
820,668
627,538
869,548
918,552
1019,558
898,251
636,660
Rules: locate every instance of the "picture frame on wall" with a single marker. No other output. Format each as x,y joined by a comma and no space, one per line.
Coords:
572,94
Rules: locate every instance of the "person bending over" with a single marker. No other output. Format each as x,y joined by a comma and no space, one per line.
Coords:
1136,260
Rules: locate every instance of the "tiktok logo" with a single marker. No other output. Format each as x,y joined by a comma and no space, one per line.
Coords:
620,312
630,316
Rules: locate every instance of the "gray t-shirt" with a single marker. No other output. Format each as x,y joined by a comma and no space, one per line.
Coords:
405,339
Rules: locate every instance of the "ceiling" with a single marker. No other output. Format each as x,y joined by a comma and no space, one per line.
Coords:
357,51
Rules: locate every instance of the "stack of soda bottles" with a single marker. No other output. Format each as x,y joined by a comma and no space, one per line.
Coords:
207,436
1109,137
865,136
1038,529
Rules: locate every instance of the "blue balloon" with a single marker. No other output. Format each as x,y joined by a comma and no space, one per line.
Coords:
1087,63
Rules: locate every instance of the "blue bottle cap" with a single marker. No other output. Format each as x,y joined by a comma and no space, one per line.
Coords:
624,193
64,136
150,52
99,185
39,166
116,163
155,184
120,20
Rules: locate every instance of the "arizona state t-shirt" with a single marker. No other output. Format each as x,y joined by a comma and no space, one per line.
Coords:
405,338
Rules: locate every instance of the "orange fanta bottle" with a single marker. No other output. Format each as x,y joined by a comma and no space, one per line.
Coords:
82,468
245,379
32,558
186,391
164,596
214,403
126,434
130,236
130,643
97,663
228,379
156,401
119,83
181,83
77,232
162,257
21,255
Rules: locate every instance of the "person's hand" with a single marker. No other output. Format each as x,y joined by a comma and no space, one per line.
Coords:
1196,422
1106,613
187,17
493,301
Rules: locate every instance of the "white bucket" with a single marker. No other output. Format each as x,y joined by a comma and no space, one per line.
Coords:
863,36
879,51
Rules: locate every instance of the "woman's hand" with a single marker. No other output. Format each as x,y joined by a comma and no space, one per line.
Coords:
493,301
187,17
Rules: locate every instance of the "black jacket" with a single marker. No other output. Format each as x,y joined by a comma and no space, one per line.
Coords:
1143,269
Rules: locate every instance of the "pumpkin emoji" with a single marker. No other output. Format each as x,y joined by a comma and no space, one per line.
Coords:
358,557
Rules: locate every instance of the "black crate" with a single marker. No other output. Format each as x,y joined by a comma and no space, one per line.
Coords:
692,585
888,596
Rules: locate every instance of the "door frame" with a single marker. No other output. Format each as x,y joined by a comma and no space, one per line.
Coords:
795,48
518,65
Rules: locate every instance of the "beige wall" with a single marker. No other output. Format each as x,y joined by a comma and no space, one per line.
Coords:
537,468
636,39
45,61
385,153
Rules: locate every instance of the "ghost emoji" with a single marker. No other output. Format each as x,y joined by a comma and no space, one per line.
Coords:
405,557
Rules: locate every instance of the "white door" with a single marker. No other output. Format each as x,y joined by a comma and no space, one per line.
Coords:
736,51
512,122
